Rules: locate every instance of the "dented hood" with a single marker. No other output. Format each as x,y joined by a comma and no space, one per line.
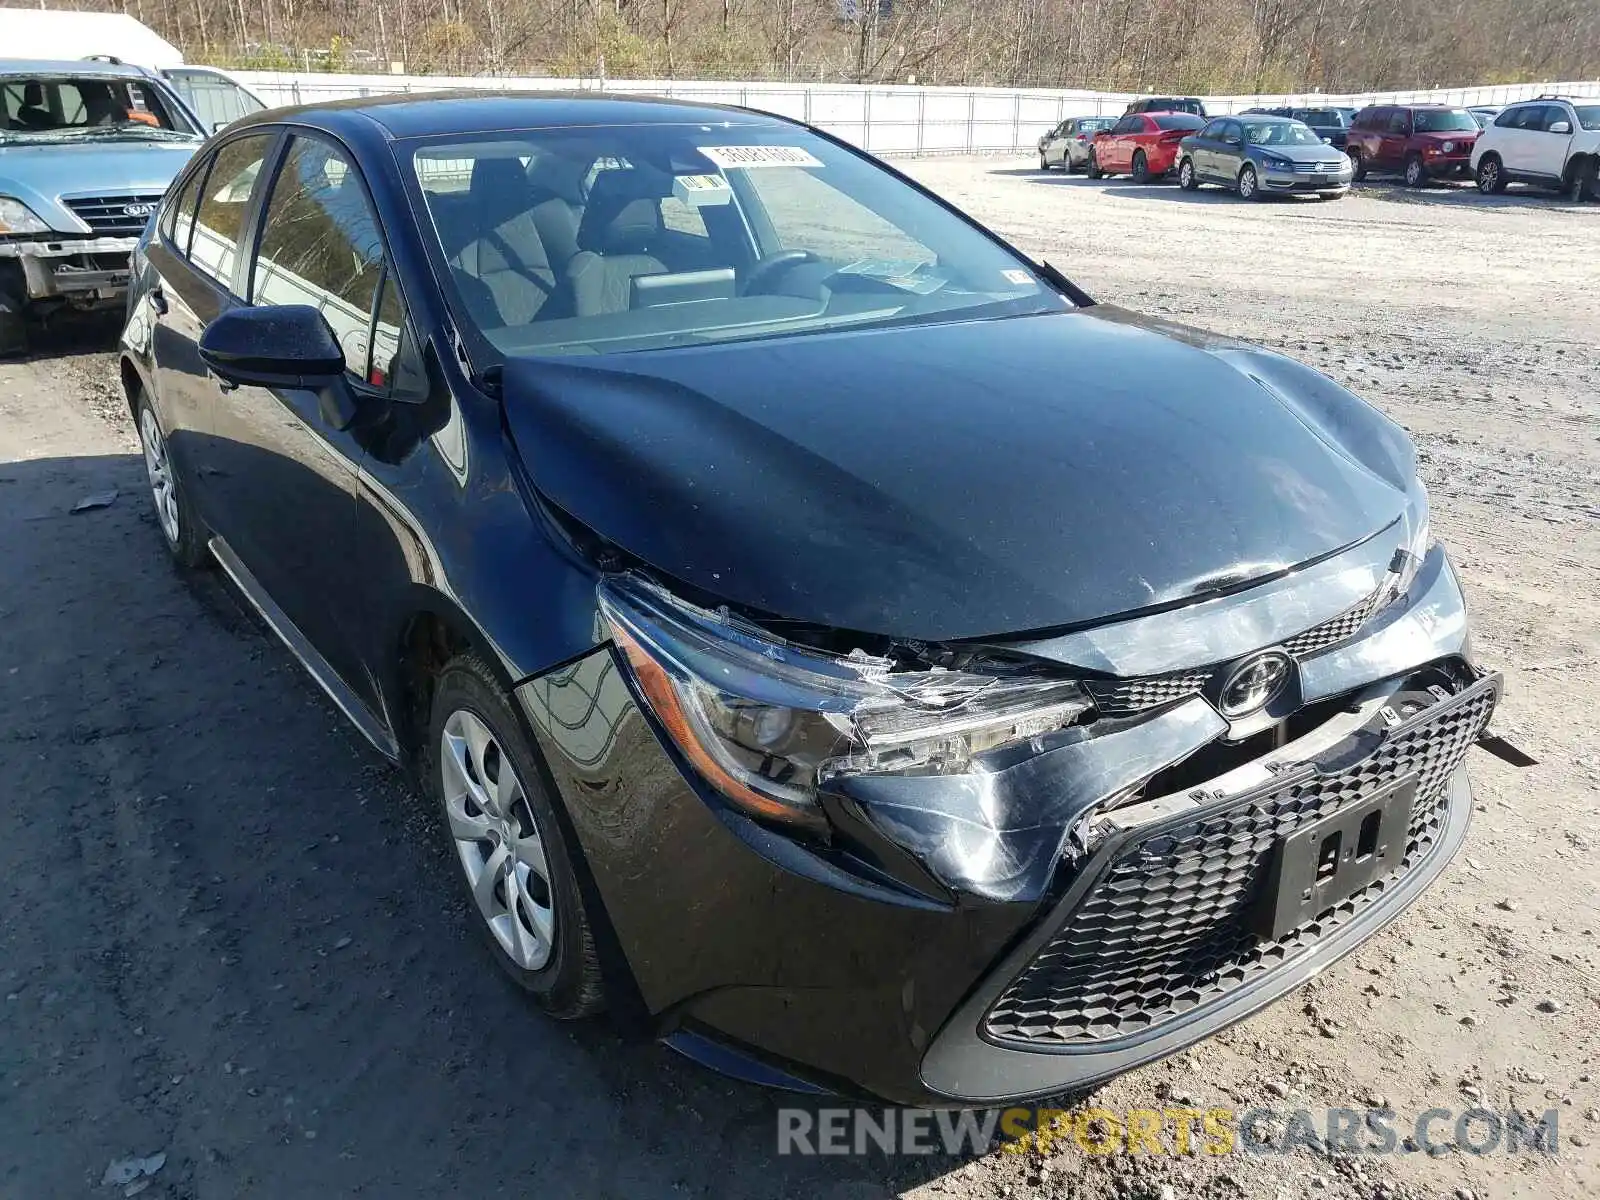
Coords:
960,480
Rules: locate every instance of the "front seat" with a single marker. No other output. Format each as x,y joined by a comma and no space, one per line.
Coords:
504,270
620,227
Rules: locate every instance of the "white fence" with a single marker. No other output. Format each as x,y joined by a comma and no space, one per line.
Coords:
882,119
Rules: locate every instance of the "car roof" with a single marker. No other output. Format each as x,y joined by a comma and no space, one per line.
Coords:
431,114
70,66
1272,118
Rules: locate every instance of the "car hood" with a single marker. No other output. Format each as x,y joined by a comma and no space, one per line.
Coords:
38,174
961,480
1319,152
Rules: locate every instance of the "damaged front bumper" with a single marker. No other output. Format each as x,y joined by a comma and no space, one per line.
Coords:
1058,913
84,269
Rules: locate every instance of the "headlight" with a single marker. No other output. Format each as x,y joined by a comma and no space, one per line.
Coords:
1448,147
17,217
1279,164
1418,540
766,722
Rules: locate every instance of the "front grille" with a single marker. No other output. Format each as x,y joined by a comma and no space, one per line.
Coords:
108,215
1128,697
1169,924
1122,697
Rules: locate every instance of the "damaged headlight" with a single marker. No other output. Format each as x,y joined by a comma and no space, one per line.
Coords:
766,722
1418,540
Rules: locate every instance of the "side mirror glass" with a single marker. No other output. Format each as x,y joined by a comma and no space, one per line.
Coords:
279,345
1560,127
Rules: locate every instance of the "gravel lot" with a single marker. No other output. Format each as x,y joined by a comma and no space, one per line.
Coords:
230,935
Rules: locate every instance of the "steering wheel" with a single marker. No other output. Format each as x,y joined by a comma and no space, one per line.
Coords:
773,265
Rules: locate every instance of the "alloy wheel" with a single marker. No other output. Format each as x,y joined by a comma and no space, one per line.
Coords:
1247,183
497,840
1186,175
157,465
1488,176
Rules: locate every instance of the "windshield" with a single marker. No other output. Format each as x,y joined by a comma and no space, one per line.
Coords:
1324,118
590,240
1588,115
68,109
1280,133
1449,120
1177,121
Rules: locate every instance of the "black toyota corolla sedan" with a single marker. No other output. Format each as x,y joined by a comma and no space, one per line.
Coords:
802,662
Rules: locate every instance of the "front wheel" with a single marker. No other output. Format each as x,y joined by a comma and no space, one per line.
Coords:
13,325
1044,163
508,842
1358,166
1093,170
1416,174
1141,167
186,541
1249,184
1187,179
1491,175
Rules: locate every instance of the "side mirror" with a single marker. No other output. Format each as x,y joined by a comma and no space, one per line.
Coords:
277,345
219,126
1560,127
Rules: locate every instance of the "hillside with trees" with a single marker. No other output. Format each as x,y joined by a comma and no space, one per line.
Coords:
1206,46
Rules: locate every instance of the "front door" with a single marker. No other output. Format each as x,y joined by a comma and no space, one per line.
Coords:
288,469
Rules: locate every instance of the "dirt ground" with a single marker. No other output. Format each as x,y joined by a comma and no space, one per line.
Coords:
230,936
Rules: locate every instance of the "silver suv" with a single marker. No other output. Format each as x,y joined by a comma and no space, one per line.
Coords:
86,152
1552,141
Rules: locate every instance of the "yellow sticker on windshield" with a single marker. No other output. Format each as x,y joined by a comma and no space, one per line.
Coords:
745,157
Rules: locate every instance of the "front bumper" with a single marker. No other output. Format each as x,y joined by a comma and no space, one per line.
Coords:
876,964
1297,181
1448,166
96,269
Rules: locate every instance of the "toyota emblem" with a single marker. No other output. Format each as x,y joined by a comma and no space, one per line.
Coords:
1254,683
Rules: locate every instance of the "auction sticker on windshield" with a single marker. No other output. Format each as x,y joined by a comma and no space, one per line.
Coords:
745,157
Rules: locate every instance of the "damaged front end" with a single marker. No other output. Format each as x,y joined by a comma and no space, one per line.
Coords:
982,870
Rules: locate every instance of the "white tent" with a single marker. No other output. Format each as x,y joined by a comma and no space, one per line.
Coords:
36,33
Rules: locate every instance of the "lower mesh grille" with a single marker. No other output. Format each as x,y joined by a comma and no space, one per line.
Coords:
1169,925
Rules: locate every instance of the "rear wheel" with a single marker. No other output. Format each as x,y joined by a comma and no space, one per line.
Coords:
1416,174
1141,167
1249,183
186,541
1187,179
1358,165
1491,175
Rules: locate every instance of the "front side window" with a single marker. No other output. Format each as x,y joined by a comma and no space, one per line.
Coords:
178,220
320,246
672,235
225,204
1445,120
1399,121
65,109
1133,124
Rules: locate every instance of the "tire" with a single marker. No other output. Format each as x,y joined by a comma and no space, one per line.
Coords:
1416,175
1092,169
1141,167
13,325
1332,195
185,538
1491,175
1249,183
1187,179
1044,165
542,939
1581,182
1358,165
1068,167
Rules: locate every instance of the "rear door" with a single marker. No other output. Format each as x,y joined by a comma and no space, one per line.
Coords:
196,253
1207,145
1396,132
288,470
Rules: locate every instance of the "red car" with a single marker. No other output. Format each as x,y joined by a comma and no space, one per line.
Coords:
1421,141
1144,145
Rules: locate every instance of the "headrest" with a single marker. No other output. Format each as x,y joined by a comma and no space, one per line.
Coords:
499,190
624,212
559,176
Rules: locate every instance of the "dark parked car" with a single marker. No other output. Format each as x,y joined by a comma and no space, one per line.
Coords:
971,747
1260,156
1421,141
1156,104
1330,123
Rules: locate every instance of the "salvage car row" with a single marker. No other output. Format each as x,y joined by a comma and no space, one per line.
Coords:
1550,141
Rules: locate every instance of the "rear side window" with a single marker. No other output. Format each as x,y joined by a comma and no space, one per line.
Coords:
225,205
320,246
1399,121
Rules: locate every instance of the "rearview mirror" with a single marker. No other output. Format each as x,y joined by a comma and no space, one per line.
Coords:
276,345
1560,127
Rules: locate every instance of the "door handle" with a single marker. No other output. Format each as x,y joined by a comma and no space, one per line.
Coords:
158,300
